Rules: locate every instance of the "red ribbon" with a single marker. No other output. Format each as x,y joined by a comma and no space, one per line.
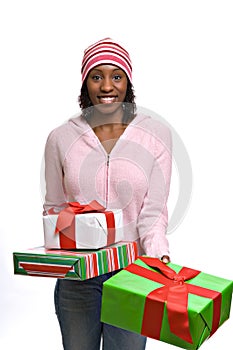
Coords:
65,225
175,294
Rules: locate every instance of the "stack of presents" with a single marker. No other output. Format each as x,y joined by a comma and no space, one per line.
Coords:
178,305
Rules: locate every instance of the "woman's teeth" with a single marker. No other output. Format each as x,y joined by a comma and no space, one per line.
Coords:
107,99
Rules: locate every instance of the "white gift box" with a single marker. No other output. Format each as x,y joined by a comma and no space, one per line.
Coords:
90,231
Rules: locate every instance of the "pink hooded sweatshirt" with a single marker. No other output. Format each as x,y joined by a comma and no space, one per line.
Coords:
134,177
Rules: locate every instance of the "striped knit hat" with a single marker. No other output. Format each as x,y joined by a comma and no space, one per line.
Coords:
106,51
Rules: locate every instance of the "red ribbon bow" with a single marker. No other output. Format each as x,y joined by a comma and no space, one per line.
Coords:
65,225
175,294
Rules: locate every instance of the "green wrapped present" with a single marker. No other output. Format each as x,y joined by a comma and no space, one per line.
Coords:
171,303
74,264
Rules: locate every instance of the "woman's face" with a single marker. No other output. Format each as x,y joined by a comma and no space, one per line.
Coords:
107,85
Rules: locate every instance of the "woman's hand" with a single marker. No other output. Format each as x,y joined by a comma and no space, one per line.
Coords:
165,259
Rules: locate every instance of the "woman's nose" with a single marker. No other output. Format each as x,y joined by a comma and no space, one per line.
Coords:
107,84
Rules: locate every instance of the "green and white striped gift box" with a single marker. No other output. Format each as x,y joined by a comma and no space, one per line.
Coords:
75,264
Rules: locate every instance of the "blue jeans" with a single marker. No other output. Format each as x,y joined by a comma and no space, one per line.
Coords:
78,305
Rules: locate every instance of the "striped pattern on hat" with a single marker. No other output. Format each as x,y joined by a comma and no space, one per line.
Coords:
106,51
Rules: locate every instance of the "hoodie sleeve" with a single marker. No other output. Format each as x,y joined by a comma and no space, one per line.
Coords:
53,157
153,218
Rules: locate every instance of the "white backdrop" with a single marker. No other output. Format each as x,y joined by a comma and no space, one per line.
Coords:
182,59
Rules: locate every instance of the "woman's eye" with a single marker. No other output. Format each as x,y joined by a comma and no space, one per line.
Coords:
96,77
117,77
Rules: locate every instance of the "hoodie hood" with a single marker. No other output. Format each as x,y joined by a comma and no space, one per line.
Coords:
79,121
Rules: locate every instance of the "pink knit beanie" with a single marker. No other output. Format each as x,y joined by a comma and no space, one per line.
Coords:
106,51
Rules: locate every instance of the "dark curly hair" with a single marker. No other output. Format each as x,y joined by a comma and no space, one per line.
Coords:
129,105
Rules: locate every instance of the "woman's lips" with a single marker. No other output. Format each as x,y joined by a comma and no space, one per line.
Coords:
107,99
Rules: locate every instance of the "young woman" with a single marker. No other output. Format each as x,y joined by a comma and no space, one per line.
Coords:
120,158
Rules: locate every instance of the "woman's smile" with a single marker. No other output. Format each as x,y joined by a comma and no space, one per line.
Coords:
107,99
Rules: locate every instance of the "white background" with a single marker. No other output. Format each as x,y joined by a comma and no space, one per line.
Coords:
182,58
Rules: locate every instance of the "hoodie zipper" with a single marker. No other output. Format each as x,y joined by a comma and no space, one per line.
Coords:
107,180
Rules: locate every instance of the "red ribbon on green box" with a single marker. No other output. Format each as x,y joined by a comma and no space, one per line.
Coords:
65,225
175,294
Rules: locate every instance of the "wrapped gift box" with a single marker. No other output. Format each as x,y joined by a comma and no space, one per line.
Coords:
174,304
78,265
82,227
